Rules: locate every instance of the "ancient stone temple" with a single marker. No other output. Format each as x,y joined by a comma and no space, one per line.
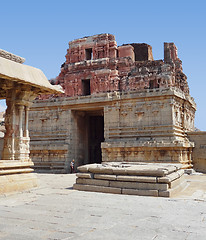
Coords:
19,85
120,105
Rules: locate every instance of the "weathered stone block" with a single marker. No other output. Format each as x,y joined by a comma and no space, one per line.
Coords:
84,175
105,177
146,171
139,186
153,193
176,182
173,191
137,179
92,182
103,170
85,168
93,188
120,171
169,178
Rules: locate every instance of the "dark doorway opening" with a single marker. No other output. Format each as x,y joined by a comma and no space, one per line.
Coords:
96,137
86,87
87,136
89,54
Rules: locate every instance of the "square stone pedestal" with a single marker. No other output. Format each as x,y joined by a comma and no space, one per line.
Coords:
144,179
16,176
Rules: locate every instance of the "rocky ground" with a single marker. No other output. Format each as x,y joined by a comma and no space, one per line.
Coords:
55,211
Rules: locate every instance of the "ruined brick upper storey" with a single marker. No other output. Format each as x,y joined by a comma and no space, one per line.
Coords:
96,64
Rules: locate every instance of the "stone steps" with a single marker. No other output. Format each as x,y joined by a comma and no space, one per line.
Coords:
159,180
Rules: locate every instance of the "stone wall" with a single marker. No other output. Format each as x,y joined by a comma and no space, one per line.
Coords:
139,126
199,152
148,128
50,129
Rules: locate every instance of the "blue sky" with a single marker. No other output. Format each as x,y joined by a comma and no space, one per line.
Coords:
40,31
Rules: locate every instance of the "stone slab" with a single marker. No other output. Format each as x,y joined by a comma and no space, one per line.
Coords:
153,193
137,179
154,170
147,171
139,186
93,188
174,191
105,177
96,182
6,164
169,178
85,168
176,182
101,170
16,170
84,175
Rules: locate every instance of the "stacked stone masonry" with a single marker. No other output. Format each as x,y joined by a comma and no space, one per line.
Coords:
158,180
199,152
119,105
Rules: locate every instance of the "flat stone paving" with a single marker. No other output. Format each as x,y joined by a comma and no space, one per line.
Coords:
55,211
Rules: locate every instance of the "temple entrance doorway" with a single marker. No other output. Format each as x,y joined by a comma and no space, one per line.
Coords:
96,136
88,134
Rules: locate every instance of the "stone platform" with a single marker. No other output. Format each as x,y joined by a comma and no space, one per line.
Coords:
16,176
144,179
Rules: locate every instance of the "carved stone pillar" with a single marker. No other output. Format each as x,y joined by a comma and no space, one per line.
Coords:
16,140
20,108
21,144
26,131
190,157
10,126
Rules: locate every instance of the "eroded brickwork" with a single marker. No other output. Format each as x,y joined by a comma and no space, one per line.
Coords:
125,68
